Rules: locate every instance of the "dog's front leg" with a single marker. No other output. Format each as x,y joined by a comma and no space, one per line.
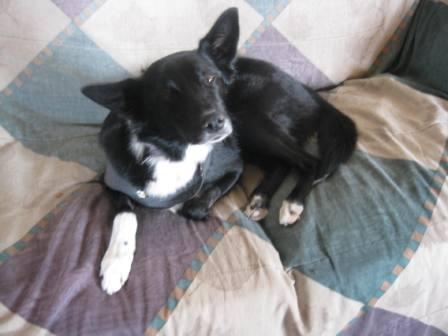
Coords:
199,207
117,261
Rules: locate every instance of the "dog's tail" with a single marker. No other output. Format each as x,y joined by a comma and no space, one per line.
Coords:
337,136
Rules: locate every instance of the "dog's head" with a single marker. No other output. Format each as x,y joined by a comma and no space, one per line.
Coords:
180,97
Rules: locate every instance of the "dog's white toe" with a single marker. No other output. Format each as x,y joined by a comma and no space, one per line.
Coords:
117,260
290,212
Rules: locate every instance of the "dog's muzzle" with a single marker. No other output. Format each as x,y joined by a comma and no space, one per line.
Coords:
225,131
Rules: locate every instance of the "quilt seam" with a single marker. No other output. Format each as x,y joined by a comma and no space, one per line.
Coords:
182,285
47,52
423,222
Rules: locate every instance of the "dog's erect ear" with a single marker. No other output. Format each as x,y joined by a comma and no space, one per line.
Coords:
220,43
111,95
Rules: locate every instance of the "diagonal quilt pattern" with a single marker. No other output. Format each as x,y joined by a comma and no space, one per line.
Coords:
53,268
367,235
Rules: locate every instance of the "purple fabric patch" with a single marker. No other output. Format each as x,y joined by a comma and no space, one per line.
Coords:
72,8
273,47
265,7
379,322
53,280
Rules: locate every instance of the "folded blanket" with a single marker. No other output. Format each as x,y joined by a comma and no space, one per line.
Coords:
418,54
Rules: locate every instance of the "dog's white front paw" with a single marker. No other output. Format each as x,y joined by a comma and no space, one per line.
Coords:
115,268
290,212
117,260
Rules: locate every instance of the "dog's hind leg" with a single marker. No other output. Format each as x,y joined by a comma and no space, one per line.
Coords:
117,261
259,202
293,206
336,138
334,149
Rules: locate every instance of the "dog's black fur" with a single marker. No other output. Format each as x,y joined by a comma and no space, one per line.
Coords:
178,101
182,99
274,117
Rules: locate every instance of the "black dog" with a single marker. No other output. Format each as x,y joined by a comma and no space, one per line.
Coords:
177,116
168,141
274,117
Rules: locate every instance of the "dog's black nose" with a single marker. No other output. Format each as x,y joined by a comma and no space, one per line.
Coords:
215,124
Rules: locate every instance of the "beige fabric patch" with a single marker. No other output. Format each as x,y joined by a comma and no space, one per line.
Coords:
31,185
227,205
239,196
13,325
395,121
243,280
323,311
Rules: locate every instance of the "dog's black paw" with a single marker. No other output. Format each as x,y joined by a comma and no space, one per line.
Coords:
195,209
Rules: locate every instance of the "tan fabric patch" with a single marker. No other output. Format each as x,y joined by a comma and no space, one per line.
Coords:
385,286
244,281
31,185
395,121
14,325
322,310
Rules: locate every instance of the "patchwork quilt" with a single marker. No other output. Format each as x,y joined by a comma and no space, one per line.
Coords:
369,256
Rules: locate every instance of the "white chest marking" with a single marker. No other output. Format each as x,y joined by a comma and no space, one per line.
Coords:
169,176
137,148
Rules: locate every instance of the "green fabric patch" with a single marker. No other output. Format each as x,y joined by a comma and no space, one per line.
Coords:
419,55
356,224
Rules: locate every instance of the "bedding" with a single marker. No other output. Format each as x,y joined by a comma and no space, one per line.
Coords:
367,258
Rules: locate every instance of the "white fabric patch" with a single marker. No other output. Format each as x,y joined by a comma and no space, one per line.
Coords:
137,33
421,289
349,36
26,27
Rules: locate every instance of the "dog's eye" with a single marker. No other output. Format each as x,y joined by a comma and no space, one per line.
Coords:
210,79
172,88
